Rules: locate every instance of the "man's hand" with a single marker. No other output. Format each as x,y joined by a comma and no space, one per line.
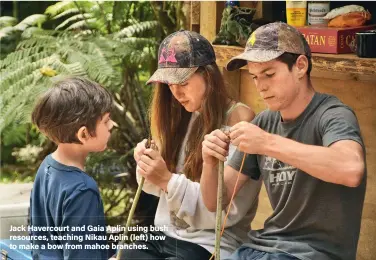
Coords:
248,137
153,168
215,146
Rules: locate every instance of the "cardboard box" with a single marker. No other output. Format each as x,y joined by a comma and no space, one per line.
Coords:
324,39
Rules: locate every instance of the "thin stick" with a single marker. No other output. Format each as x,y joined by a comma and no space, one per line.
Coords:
133,208
230,203
219,211
130,216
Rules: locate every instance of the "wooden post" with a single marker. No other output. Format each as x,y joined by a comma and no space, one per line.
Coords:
195,16
208,20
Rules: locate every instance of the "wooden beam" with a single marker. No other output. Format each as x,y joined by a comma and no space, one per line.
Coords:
330,66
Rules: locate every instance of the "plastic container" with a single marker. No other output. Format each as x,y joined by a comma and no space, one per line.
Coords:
296,12
317,11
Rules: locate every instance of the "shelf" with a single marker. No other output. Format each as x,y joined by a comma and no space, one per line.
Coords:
331,66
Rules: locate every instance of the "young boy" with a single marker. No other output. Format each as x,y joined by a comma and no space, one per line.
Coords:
65,206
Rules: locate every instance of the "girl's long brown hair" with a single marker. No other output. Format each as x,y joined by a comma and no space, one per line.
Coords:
169,121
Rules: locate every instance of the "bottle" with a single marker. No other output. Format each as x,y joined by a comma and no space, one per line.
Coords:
316,11
296,12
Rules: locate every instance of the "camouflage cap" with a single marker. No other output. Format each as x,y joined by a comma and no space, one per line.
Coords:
268,42
179,56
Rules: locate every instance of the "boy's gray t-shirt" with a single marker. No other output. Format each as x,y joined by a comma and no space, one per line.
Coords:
312,219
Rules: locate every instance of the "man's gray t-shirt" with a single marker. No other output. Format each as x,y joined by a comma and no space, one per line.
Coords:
312,219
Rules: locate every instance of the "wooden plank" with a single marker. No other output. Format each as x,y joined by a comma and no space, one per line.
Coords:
330,66
208,20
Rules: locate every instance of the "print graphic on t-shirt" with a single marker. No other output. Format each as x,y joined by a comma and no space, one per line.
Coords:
279,173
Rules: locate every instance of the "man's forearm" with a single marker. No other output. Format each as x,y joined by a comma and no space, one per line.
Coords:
325,163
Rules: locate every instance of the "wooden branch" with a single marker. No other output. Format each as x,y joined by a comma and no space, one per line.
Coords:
218,224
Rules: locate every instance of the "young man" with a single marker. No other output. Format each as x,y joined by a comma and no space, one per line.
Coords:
67,216
308,149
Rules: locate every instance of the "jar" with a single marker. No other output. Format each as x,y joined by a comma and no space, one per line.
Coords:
316,12
365,42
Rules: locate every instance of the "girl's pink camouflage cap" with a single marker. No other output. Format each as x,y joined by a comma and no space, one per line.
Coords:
179,56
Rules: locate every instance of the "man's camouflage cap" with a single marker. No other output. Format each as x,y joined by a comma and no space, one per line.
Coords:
179,56
268,42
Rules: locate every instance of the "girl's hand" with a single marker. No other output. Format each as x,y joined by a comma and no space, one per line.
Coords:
154,168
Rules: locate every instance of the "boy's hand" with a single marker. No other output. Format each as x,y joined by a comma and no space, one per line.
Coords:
154,169
248,137
215,146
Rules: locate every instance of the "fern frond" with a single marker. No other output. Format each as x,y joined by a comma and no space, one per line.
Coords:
31,42
137,41
10,77
13,134
7,31
136,28
60,7
6,21
138,57
23,113
74,18
96,66
134,55
23,54
19,63
74,69
70,11
84,32
81,24
38,32
10,109
17,100
32,20
97,46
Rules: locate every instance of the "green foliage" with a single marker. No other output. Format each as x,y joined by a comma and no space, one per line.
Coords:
6,21
111,42
32,20
59,7
136,28
117,193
